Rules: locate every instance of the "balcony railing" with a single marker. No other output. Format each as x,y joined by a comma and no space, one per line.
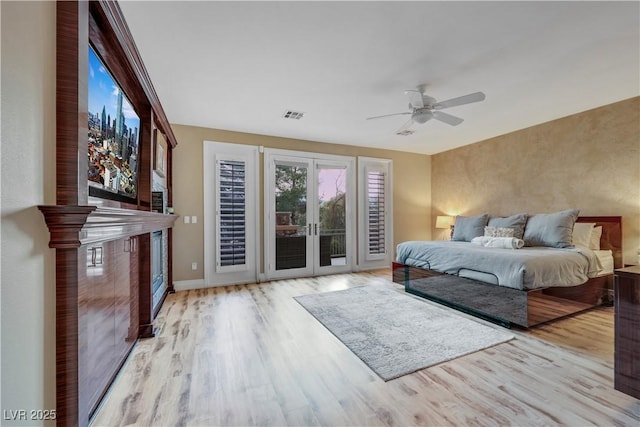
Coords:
338,242
291,252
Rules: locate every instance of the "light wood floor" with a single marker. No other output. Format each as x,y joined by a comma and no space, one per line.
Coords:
251,355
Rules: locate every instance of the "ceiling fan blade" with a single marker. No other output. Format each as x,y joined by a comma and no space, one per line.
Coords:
447,118
405,127
415,98
461,100
389,115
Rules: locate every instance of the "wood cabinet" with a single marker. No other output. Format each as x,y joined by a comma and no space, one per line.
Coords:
103,287
102,242
107,280
627,331
96,311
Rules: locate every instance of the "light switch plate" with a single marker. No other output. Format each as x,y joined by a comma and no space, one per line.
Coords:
194,219
186,219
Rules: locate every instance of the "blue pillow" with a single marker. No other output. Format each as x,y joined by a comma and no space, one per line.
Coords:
468,227
554,229
517,222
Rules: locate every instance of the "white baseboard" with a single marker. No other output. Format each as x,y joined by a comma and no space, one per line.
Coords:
185,285
373,266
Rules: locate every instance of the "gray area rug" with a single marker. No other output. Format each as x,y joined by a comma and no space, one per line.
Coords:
396,334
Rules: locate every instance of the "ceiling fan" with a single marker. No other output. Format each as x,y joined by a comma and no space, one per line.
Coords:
424,108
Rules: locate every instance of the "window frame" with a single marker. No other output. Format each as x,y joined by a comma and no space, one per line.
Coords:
215,274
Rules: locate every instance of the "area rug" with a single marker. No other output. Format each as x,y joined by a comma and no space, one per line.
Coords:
396,334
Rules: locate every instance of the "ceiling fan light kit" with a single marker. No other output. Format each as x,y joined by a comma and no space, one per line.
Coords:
424,108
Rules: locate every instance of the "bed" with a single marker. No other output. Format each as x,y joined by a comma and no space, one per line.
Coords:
516,287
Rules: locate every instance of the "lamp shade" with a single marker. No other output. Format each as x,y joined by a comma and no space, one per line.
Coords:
443,221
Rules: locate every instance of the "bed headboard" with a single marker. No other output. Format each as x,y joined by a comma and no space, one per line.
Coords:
611,235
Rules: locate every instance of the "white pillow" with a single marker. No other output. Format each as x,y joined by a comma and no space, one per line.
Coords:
581,236
596,234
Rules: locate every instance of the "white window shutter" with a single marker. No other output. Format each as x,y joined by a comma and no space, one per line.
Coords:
375,200
232,213
376,212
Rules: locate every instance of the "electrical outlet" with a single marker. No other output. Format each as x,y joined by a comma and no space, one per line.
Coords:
194,265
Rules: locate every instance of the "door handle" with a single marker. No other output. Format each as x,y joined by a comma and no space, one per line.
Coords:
316,229
309,229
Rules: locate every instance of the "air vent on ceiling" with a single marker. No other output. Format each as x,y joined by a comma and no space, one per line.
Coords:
406,132
290,114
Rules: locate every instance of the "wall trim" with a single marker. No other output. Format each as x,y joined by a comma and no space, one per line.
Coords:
187,285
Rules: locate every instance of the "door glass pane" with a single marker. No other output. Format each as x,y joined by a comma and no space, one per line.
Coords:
332,188
291,216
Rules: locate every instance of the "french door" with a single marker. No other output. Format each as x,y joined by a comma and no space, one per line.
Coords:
309,214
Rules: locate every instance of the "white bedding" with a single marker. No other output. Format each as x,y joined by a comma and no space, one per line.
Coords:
527,268
605,259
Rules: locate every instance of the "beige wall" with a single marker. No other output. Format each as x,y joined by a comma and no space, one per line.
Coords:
412,191
589,160
28,179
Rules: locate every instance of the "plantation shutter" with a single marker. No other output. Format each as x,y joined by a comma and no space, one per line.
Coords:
231,213
376,212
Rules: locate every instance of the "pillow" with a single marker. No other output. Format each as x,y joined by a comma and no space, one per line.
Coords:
517,222
552,229
596,234
468,227
498,232
581,236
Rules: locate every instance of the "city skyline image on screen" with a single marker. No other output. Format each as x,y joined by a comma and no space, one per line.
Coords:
113,135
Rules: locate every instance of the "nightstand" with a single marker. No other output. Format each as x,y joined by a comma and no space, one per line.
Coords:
627,330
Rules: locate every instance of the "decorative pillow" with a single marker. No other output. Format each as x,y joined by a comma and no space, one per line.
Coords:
517,222
468,227
581,236
498,232
596,234
552,229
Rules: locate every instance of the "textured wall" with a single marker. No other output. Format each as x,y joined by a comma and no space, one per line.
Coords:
589,160
28,179
412,192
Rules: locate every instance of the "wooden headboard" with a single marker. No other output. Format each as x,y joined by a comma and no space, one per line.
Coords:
611,235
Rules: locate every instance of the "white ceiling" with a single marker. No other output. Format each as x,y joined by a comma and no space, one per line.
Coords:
240,65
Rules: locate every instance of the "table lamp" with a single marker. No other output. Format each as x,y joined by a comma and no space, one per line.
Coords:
444,222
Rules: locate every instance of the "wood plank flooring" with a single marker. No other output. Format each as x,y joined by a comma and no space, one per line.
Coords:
251,355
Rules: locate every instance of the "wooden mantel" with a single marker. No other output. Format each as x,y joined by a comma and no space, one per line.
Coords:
73,226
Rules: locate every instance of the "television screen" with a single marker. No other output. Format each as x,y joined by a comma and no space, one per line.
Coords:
114,130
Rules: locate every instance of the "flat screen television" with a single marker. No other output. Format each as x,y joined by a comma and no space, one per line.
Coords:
113,143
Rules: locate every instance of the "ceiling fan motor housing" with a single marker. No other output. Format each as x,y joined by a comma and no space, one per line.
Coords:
422,115
428,101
